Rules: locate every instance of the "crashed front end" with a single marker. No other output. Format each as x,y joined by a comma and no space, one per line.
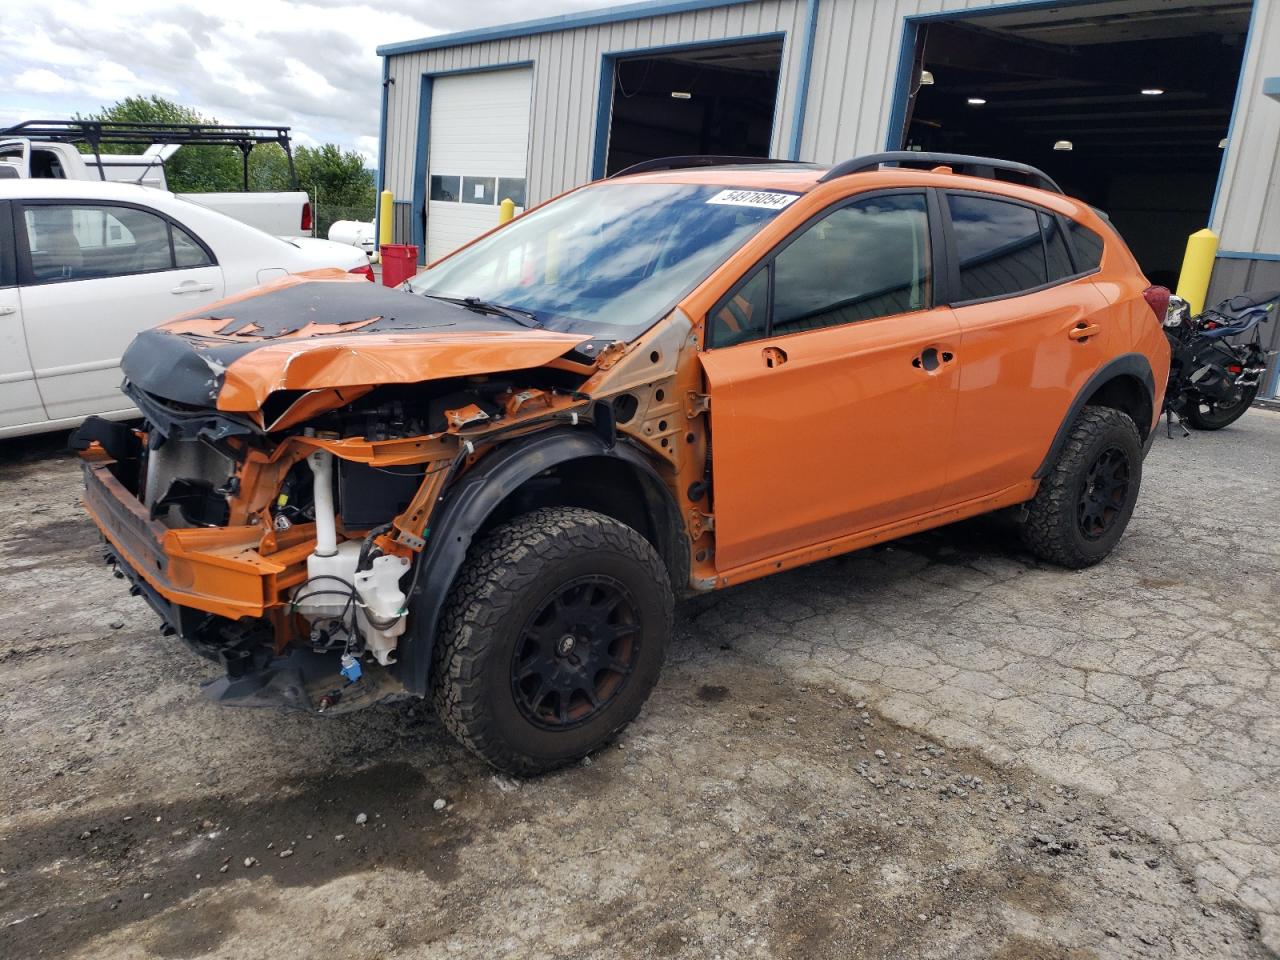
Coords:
276,504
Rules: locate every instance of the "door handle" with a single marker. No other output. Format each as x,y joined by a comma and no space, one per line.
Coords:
930,358
1083,331
774,356
192,286
6,310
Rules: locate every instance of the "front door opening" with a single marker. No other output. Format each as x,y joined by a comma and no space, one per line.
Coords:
709,100
1126,105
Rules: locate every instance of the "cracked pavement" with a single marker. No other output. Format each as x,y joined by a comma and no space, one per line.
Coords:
1152,679
936,748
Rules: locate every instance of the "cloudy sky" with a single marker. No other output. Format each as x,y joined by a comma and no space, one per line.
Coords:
310,63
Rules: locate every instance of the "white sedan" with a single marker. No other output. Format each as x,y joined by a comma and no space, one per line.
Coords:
84,266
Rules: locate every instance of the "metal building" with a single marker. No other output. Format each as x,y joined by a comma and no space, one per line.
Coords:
1157,111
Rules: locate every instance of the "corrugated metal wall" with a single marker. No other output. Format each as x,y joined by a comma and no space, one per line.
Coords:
1247,216
851,92
566,84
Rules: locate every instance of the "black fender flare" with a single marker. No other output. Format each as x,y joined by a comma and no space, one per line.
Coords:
1126,365
469,502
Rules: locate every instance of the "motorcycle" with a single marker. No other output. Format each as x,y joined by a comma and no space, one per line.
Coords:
1213,380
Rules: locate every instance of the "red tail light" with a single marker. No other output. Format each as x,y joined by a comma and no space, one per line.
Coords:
365,271
306,217
1158,300
1234,368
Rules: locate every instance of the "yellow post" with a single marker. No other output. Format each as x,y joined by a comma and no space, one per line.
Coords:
386,217
1197,266
506,210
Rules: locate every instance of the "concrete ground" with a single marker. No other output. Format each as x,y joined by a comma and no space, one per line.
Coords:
934,748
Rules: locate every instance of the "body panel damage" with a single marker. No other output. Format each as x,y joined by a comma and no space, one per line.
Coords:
325,330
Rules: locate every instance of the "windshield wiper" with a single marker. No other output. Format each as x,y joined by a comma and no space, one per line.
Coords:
522,317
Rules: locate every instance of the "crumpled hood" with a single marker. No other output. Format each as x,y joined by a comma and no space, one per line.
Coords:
325,329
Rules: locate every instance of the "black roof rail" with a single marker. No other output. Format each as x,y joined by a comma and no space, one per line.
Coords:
959,162
144,133
699,160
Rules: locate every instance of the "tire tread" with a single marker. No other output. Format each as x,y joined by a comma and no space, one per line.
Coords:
498,567
1044,531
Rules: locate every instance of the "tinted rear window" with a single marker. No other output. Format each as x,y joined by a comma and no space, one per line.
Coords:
998,245
1055,249
1087,246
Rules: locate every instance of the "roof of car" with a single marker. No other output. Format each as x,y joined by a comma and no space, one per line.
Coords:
989,168
802,178
42,187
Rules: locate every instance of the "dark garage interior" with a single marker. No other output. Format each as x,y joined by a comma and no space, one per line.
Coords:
1141,91
709,100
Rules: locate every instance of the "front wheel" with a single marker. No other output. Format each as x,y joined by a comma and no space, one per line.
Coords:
552,638
1207,415
1084,503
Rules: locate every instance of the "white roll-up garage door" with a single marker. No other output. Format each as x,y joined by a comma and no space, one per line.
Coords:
478,144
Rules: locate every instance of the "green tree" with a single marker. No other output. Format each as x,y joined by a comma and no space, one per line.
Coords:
339,185
191,169
336,180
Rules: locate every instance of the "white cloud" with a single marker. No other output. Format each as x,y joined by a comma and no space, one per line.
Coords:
310,64
40,80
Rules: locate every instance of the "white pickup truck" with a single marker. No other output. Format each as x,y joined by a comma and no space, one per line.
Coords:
284,214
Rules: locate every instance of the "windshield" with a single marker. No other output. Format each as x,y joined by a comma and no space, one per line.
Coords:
608,260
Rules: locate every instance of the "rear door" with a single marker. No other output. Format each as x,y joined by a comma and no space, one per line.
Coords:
19,399
833,383
1033,329
92,275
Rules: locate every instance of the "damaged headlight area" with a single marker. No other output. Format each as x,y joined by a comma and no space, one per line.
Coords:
291,555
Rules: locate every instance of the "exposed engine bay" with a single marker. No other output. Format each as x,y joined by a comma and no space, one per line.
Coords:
282,526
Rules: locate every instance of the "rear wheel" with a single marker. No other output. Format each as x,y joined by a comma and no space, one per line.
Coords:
1206,415
552,639
1084,504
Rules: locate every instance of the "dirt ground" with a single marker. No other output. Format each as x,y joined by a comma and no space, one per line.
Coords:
933,749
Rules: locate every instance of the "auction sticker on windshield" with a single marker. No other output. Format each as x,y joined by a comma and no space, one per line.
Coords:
754,198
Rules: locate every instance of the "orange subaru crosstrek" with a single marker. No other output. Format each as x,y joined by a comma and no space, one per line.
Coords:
487,486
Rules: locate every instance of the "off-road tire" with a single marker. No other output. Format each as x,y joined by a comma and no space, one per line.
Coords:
1214,419
505,579
1052,529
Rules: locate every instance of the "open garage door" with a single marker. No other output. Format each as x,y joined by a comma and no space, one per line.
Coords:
1124,103
478,147
715,99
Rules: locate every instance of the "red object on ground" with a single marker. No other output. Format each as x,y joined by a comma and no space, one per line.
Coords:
399,263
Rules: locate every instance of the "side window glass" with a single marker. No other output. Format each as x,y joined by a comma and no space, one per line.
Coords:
868,259
998,246
745,315
186,252
86,241
1055,249
1087,245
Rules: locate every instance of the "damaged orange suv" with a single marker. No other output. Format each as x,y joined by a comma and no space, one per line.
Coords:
489,485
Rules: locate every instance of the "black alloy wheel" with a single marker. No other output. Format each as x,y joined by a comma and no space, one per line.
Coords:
1103,493
1086,498
552,638
576,653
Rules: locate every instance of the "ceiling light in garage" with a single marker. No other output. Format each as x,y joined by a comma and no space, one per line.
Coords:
1063,145
926,78
976,101
681,95
1151,91
1222,144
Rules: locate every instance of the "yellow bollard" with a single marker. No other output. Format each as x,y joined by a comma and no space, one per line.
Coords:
386,218
1197,267
506,210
